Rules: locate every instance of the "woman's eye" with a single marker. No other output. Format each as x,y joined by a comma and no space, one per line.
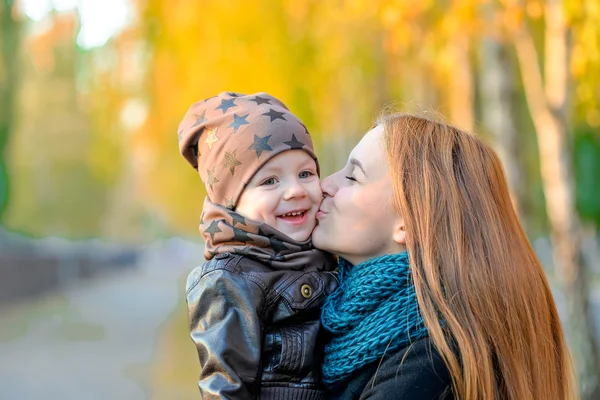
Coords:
305,174
351,178
269,181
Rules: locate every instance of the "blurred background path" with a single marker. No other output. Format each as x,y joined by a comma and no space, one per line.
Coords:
96,340
120,335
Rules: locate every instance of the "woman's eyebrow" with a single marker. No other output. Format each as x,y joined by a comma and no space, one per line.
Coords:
354,161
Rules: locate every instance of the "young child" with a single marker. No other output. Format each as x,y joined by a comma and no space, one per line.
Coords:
254,307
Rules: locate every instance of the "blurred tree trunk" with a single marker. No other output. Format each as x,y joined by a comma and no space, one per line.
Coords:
9,72
461,92
497,91
547,100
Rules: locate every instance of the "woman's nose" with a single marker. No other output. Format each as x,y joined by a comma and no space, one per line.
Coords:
328,186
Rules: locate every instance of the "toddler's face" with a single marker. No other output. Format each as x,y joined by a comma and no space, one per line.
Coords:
285,193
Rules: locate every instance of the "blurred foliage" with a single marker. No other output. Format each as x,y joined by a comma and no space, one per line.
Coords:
587,158
93,149
10,38
54,190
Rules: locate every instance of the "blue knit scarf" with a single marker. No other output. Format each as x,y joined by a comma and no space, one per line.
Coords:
373,311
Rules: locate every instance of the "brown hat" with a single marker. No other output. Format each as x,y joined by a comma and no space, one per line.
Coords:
229,137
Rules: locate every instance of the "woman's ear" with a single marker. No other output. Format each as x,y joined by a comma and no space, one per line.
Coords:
399,234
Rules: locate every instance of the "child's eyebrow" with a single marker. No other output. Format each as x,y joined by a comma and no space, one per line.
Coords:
309,164
272,169
267,171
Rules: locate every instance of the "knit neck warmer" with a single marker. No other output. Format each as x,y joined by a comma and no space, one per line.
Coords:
373,311
226,231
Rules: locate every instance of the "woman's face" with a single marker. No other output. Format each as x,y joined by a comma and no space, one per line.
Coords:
356,220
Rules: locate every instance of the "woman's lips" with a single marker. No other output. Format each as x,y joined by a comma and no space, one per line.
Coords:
321,214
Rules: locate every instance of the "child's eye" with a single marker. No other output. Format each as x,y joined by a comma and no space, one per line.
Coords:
305,174
351,178
269,181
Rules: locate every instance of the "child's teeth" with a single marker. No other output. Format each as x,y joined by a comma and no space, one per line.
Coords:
293,214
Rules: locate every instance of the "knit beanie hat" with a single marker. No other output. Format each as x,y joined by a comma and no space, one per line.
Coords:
229,137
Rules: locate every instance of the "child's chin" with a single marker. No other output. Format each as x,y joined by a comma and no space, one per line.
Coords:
299,236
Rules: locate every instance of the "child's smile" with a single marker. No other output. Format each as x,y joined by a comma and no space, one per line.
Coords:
294,217
285,193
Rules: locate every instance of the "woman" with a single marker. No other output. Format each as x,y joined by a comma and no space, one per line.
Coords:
441,294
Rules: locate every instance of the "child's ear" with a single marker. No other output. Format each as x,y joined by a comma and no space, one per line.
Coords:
399,234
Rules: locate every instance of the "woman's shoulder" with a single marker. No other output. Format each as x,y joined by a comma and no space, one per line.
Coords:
416,371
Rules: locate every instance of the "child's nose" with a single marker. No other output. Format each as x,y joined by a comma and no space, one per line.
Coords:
296,189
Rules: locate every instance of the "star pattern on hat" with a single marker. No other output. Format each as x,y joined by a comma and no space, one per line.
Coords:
241,235
226,104
231,161
237,219
212,138
275,115
199,119
305,128
294,144
229,203
260,144
260,100
213,229
202,217
179,135
233,94
238,121
212,179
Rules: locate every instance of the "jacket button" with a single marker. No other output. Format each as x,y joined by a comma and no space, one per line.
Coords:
306,291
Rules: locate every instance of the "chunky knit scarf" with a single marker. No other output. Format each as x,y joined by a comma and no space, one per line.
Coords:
373,311
226,231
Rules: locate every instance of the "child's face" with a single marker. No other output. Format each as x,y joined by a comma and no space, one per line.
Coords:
288,183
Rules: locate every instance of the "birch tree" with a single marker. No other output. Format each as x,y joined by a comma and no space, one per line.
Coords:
497,88
547,96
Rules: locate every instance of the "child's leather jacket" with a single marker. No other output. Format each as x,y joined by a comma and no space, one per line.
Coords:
257,330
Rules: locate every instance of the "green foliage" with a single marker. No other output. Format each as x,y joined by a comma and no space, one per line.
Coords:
587,168
3,186
10,40
54,190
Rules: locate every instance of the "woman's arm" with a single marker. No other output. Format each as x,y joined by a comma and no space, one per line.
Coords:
225,326
417,372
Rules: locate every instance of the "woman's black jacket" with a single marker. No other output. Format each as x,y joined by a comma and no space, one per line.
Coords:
415,372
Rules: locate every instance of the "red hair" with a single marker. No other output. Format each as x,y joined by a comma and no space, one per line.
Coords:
473,266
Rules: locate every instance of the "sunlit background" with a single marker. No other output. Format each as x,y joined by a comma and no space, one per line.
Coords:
99,212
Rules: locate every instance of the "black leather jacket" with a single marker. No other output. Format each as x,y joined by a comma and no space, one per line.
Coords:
257,330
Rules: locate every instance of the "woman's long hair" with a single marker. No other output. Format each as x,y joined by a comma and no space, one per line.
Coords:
480,287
